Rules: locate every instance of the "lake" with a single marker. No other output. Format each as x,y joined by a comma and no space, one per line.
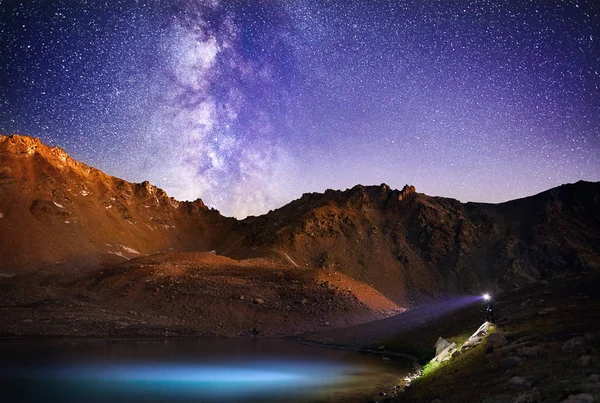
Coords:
200,370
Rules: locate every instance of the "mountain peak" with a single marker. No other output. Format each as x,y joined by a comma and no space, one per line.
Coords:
30,146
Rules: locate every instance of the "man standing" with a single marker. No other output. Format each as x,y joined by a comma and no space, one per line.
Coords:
489,312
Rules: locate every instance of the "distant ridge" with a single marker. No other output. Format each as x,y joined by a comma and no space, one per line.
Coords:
58,212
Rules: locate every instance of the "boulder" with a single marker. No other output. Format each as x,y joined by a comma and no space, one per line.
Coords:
446,353
510,362
531,396
516,381
579,398
532,351
584,361
575,344
440,345
496,340
477,337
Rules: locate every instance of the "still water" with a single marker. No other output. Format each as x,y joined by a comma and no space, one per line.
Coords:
184,370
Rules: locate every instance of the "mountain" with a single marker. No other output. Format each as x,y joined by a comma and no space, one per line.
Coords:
413,247
88,250
58,211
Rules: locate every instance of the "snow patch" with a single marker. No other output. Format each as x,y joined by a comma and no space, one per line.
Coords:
118,254
59,205
130,250
290,259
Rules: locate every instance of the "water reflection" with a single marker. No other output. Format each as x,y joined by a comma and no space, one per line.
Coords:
233,370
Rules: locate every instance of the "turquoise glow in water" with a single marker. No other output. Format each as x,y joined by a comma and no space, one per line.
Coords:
206,370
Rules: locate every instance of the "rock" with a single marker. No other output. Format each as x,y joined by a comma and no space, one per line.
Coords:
529,351
326,323
27,321
437,401
510,349
497,399
440,345
304,301
496,340
386,359
517,381
259,300
579,398
382,394
455,354
476,337
595,378
242,297
510,362
584,361
531,396
446,353
575,344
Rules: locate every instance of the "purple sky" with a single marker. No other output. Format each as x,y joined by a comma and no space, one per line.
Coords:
249,104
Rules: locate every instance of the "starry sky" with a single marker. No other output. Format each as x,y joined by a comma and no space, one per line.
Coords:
247,104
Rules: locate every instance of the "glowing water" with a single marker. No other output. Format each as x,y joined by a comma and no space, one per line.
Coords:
204,370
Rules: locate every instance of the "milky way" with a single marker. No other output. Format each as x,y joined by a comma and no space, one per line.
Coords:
249,104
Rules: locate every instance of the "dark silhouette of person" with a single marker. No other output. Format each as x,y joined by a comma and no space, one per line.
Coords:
489,312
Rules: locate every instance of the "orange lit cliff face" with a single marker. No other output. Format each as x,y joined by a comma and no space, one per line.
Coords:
408,246
56,210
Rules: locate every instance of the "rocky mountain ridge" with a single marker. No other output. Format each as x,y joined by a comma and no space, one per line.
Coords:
58,211
409,246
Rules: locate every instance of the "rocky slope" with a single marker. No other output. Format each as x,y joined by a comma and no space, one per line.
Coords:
69,231
412,247
56,211
192,293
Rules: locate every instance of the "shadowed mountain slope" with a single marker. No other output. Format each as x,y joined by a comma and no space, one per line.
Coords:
413,247
408,246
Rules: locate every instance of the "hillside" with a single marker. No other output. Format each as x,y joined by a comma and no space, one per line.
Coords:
414,248
86,253
59,212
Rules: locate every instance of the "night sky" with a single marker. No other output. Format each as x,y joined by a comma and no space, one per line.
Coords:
249,104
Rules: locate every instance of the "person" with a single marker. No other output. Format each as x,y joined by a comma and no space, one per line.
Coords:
489,312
